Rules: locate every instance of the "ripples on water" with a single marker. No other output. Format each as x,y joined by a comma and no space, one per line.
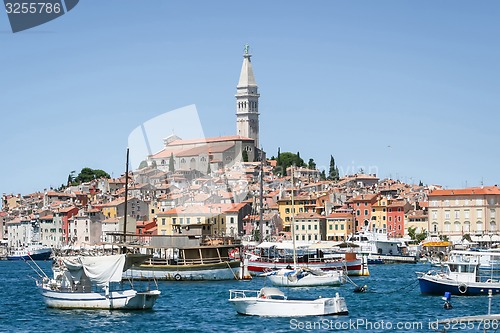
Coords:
393,296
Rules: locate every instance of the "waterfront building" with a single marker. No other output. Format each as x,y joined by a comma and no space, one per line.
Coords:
396,212
379,214
212,219
61,220
85,228
339,226
310,227
456,212
362,207
309,203
417,219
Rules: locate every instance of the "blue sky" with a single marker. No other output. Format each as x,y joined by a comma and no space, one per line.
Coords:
407,89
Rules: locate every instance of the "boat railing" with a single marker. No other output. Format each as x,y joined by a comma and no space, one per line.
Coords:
183,261
234,294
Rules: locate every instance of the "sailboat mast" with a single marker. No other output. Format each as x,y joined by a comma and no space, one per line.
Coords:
126,201
293,223
261,197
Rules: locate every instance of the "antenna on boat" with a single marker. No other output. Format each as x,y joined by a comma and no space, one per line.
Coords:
124,248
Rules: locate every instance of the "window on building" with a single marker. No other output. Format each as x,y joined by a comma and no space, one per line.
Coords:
296,227
457,214
303,227
163,222
447,214
479,202
366,212
390,218
479,213
308,227
467,214
232,220
358,212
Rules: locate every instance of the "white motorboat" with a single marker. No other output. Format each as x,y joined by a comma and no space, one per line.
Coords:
94,282
461,276
305,277
272,302
33,251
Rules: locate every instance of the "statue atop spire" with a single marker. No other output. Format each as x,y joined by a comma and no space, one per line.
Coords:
247,47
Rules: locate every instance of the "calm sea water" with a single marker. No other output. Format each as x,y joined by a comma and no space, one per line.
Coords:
393,297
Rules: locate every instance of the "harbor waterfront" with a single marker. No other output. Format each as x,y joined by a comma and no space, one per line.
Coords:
393,302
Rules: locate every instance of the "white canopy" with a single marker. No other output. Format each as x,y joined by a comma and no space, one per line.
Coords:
104,269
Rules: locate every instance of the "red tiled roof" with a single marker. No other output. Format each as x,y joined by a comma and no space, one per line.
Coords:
467,191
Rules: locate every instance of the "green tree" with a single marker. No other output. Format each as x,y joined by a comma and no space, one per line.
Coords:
287,159
88,174
416,237
244,155
171,166
420,183
311,165
323,175
333,172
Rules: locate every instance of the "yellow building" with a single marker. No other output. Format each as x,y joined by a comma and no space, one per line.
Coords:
209,220
379,214
339,226
310,203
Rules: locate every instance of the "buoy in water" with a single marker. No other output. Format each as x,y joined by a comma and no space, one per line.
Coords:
360,289
447,301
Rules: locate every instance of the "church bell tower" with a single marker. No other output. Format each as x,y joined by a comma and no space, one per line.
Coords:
247,102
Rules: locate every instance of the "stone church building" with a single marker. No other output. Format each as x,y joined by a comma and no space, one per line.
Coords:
210,154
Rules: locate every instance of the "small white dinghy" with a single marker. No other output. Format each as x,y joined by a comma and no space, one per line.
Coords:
272,302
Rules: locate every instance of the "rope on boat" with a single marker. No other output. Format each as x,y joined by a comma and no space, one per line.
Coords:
235,277
39,268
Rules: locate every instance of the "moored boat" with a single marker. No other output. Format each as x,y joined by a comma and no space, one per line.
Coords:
460,276
304,277
189,264
94,282
32,251
272,302
350,262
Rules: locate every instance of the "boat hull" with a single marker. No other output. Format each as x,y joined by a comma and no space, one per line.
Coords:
354,268
125,299
293,280
438,286
202,272
289,308
35,255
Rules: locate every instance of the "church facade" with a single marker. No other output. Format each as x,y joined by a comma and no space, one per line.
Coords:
210,154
